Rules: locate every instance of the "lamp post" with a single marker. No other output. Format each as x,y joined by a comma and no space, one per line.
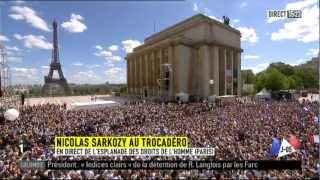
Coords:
164,78
211,82
1,60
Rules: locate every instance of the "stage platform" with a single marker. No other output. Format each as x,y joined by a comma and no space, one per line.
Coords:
93,105
79,102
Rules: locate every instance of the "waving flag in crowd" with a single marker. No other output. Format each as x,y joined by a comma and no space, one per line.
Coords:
295,142
314,139
275,147
286,148
316,119
282,148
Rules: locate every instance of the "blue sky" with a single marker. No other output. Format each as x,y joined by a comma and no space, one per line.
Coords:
94,37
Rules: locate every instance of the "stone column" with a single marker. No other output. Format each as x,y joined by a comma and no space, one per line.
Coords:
136,78
239,73
146,63
182,68
158,71
128,76
154,68
151,73
134,75
170,61
205,62
232,59
225,70
216,69
140,75
131,61
150,85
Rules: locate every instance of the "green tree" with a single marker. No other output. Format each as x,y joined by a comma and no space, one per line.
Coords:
261,79
298,78
275,80
248,76
285,69
272,80
310,79
291,82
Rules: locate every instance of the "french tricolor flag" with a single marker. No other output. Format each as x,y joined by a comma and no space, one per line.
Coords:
314,139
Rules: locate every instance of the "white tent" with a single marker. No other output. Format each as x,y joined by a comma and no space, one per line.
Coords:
183,97
11,114
263,94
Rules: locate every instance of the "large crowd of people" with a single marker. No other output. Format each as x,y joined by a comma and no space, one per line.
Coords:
237,131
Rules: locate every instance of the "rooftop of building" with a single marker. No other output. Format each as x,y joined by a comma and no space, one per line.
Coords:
196,18
181,26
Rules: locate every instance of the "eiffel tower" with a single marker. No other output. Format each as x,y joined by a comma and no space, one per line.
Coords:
55,66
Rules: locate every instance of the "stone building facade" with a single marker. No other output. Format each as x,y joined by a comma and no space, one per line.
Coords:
198,57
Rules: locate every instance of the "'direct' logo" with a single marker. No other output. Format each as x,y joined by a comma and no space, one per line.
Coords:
282,14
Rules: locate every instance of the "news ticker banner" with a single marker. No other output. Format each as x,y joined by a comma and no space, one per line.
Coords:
162,165
127,146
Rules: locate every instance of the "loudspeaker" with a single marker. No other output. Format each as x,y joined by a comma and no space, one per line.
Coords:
167,81
2,119
22,99
0,86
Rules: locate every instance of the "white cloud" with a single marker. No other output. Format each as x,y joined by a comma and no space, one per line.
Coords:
206,10
129,45
30,16
114,58
243,4
10,53
93,66
116,75
258,68
248,34
3,38
45,71
113,48
104,54
18,36
24,72
300,4
251,56
313,52
109,64
199,7
296,62
13,54
32,41
195,7
305,29
77,64
14,59
107,55
84,77
19,2
45,67
74,25
236,20
98,47
13,48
